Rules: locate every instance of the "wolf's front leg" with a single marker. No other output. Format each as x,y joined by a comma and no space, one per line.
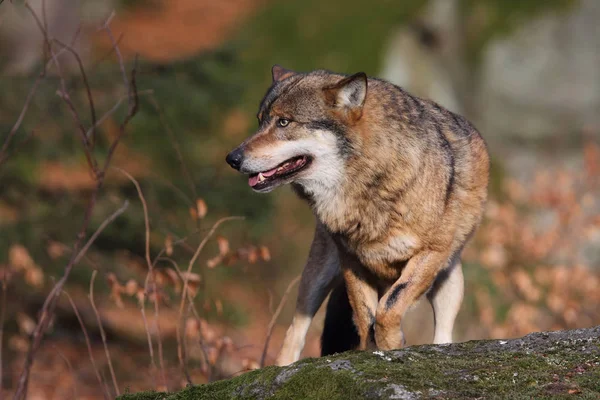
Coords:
416,279
318,278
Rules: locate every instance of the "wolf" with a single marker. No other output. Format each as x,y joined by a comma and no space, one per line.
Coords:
397,184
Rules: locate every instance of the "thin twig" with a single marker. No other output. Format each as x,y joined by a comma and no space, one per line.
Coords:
4,151
71,371
150,270
189,202
270,294
63,94
148,336
184,292
13,131
112,111
175,144
181,353
274,318
103,334
102,226
2,316
118,53
108,53
133,109
89,347
49,306
86,85
142,304
209,371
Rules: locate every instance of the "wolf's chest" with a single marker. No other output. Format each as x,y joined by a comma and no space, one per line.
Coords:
386,256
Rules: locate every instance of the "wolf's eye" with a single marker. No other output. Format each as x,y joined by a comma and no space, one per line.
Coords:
283,122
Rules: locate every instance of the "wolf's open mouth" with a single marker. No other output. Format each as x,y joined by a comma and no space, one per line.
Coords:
269,178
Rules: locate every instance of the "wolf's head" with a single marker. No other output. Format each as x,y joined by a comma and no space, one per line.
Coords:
303,125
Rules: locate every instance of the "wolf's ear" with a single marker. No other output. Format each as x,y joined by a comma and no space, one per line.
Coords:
280,73
350,93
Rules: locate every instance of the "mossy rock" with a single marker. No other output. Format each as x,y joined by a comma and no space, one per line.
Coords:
537,366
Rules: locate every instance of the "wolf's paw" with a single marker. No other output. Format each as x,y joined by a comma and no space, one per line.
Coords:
389,339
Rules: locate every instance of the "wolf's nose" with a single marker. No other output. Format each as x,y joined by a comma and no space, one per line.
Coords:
235,158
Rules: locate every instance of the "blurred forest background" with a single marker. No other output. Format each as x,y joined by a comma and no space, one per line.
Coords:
526,72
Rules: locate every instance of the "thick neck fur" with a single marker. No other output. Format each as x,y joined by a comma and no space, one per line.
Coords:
384,163
378,188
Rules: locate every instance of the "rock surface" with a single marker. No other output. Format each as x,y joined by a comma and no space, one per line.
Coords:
543,80
540,365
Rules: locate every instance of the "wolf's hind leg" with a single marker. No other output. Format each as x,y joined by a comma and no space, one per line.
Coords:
339,332
321,272
445,297
362,296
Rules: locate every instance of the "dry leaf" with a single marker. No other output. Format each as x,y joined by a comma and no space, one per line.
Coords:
213,262
265,254
169,245
192,328
131,287
201,208
191,277
18,344
223,245
55,250
174,278
19,258
34,277
252,255
141,296
26,323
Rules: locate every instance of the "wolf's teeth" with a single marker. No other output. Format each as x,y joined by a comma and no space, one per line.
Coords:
261,177
279,169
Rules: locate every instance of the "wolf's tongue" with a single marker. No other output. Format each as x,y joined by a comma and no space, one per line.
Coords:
270,172
253,180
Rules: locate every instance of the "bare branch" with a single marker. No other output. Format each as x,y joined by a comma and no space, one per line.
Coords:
89,347
113,110
181,353
86,85
50,304
4,151
149,337
274,318
106,27
175,144
133,109
184,292
103,334
150,270
2,316
102,226
17,125
63,94
108,53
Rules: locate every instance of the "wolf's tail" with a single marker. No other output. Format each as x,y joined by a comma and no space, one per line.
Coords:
339,332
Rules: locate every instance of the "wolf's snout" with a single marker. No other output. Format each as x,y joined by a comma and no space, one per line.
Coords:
235,158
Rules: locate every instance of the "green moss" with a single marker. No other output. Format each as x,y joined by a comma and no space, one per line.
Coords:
544,365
